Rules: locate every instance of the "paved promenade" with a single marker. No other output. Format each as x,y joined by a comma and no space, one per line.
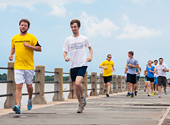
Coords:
116,110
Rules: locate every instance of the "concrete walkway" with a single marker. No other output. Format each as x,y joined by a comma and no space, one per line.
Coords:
116,110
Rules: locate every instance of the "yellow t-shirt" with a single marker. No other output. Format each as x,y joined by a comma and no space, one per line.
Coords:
24,56
109,70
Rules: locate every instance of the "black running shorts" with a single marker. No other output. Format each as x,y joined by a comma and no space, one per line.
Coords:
150,79
161,81
78,71
131,78
107,79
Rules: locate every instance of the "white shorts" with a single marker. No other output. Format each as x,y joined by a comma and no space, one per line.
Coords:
24,76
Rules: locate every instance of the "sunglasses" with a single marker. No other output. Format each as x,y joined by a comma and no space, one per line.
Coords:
109,57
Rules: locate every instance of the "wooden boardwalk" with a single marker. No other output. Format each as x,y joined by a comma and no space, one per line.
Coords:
115,110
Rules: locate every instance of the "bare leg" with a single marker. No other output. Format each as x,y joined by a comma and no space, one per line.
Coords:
30,91
149,89
108,87
136,87
79,88
156,86
151,86
18,93
159,89
129,87
146,83
105,86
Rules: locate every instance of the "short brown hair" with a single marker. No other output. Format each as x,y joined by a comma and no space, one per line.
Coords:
25,20
131,53
109,55
75,21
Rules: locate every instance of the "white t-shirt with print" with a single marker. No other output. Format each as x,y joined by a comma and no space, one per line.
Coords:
160,71
77,48
155,74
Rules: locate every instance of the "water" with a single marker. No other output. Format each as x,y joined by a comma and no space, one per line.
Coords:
48,87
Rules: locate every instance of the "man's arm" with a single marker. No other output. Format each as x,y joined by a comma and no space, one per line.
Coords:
89,59
135,66
126,68
66,57
166,70
140,71
11,54
113,68
35,48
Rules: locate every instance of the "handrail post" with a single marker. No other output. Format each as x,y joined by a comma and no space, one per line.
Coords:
39,87
94,84
72,94
101,92
114,84
58,76
119,81
85,84
123,83
11,87
142,83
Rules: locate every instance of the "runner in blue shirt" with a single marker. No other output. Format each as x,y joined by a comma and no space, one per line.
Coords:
150,77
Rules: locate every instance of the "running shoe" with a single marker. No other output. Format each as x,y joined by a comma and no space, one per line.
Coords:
144,90
160,96
165,92
128,94
151,93
80,109
154,93
107,95
132,95
16,109
157,93
29,105
136,93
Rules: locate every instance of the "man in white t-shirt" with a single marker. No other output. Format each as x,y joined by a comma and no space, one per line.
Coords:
161,71
76,45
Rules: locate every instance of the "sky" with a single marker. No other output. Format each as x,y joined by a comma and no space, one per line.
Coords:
112,27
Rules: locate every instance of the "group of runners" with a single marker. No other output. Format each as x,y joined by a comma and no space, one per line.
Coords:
155,77
24,44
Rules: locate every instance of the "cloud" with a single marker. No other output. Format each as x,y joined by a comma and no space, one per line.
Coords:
57,6
58,11
94,27
133,31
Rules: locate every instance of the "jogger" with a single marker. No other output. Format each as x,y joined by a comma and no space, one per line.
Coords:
108,67
161,71
23,46
132,64
76,45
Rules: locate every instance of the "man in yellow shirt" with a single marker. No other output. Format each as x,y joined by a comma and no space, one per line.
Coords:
23,46
108,67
